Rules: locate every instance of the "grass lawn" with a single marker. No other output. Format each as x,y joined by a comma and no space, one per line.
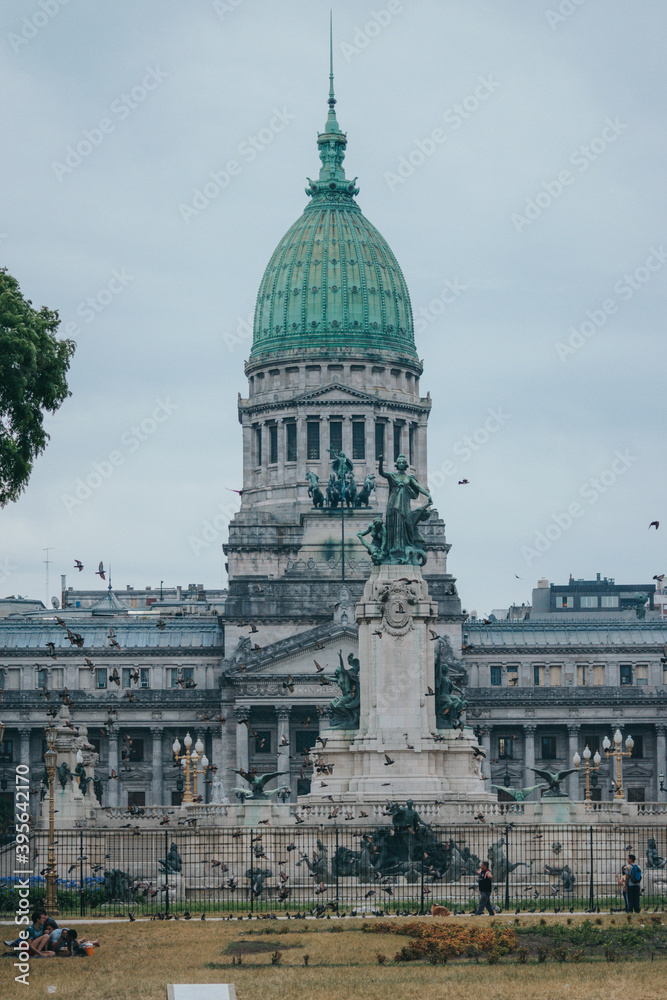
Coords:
136,961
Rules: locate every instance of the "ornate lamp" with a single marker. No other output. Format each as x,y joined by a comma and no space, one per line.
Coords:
50,758
588,767
618,753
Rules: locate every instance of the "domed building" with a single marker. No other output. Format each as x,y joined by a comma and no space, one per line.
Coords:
333,367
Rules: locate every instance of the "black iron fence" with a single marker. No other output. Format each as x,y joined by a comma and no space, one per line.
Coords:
325,869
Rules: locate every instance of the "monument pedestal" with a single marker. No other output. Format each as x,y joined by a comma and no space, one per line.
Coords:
397,752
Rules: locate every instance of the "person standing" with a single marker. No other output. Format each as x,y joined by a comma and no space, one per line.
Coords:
633,878
621,879
485,885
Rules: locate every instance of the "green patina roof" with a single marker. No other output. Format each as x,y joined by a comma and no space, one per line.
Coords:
333,284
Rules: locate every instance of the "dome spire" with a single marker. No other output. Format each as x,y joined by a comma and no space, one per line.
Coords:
332,181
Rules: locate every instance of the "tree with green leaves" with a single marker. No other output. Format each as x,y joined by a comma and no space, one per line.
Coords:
33,366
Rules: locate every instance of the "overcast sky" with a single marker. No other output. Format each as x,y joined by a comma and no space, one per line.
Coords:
531,231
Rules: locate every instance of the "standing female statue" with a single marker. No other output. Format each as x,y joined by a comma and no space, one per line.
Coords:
401,541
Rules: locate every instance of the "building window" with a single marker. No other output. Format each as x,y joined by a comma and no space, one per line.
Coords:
379,440
563,601
303,786
636,794
512,676
592,741
598,675
638,748
172,677
358,440
549,748
505,746
176,798
626,673
273,444
126,679
582,674
133,750
641,673
13,679
496,676
609,601
290,431
262,740
538,675
43,678
101,677
596,795
555,676
397,440
145,677
588,601
313,440
95,744
304,741
411,444
336,435
6,751
57,678
188,675
258,445
136,800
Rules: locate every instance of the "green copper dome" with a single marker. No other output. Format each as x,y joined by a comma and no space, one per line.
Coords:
333,284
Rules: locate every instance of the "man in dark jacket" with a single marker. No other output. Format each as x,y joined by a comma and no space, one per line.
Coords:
484,884
632,888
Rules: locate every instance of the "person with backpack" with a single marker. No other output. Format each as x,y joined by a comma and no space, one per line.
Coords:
484,884
633,877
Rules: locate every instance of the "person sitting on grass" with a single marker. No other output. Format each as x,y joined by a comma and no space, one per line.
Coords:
63,940
37,938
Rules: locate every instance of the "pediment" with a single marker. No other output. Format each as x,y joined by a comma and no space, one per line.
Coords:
297,654
336,391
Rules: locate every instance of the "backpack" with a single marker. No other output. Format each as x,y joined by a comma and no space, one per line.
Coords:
635,874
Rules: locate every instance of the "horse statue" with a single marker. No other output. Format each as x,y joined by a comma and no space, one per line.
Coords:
350,491
334,496
314,491
363,496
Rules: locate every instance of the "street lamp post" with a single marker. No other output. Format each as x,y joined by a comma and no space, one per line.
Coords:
185,760
595,766
618,754
198,757
50,758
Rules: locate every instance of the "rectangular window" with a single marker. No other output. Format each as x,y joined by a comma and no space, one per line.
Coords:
101,678
582,675
126,679
555,675
397,440
188,675
136,751
379,440
6,751
313,440
358,440
411,444
336,435
84,678
176,798
303,786
538,675
145,677
57,678
512,676
563,601
596,795
304,741
549,748
262,740
258,445
598,675
641,673
290,431
592,741
273,444
496,676
13,679
588,601
43,678
638,748
172,677
505,746
609,601
636,794
626,673
136,800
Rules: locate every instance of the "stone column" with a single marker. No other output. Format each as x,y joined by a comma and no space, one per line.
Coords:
347,436
113,790
529,777
156,775
486,764
573,747
301,444
283,713
24,752
247,448
661,760
242,714
218,760
370,444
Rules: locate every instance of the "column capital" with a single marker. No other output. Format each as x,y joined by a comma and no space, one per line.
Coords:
573,729
486,731
24,732
241,714
283,712
661,731
156,733
529,730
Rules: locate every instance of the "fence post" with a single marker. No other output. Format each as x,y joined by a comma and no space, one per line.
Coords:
591,888
507,871
166,877
421,908
252,891
335,858
82,907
